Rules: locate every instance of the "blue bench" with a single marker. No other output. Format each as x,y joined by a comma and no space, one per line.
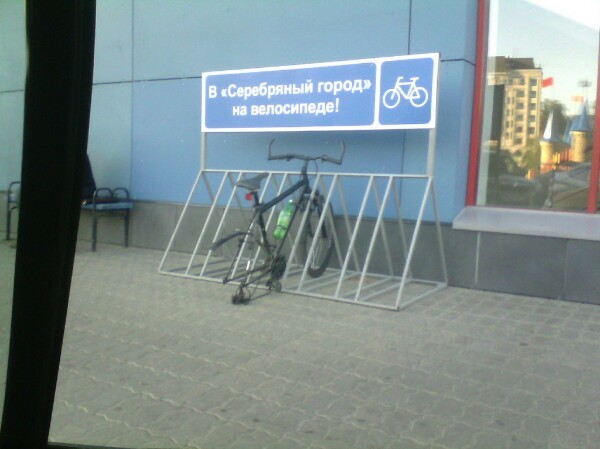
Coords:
103,202
107,201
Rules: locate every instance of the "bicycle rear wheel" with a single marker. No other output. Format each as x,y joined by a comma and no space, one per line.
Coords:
320,240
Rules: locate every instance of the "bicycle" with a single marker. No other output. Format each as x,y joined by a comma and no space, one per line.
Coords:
417,95
317,244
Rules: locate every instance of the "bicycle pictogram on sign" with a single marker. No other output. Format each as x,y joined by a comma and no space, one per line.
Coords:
417,95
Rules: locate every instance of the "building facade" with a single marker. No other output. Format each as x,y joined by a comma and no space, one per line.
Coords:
516,217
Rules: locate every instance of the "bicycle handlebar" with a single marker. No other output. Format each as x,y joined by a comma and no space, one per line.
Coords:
303,157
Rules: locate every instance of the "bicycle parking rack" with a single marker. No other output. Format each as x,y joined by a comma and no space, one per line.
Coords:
374,259
352,275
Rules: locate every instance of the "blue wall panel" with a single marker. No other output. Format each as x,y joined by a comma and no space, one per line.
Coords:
13,64
13,49
11,137
367,152
150,55
166,139
183,38
448,27
113,49
109,142
453,134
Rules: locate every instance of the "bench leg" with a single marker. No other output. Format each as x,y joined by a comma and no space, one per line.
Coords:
8,224
127,229
8,221
95,219
94,232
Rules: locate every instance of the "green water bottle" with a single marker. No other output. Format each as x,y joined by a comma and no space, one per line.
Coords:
283,222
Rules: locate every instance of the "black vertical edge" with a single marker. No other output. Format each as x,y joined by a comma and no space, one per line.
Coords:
58,92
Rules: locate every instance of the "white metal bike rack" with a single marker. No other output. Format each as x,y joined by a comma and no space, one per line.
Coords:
377,229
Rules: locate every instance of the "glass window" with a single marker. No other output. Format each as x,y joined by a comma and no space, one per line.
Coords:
552,47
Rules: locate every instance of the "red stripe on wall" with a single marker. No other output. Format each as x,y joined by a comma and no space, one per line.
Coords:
477,119
594,176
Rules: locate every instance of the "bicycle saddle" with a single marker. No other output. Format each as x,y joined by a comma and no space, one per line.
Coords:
252,184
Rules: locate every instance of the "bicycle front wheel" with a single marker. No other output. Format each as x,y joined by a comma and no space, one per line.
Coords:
320,241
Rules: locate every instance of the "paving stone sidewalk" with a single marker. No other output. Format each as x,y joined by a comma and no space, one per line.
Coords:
157,361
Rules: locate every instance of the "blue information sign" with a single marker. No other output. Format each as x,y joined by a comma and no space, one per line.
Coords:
381,93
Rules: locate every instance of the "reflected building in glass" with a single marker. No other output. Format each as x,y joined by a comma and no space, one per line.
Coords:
521,110
528,137
580,135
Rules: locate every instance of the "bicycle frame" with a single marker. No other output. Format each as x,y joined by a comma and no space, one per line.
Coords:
412,85
274,263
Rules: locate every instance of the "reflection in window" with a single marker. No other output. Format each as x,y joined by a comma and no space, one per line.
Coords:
545,55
